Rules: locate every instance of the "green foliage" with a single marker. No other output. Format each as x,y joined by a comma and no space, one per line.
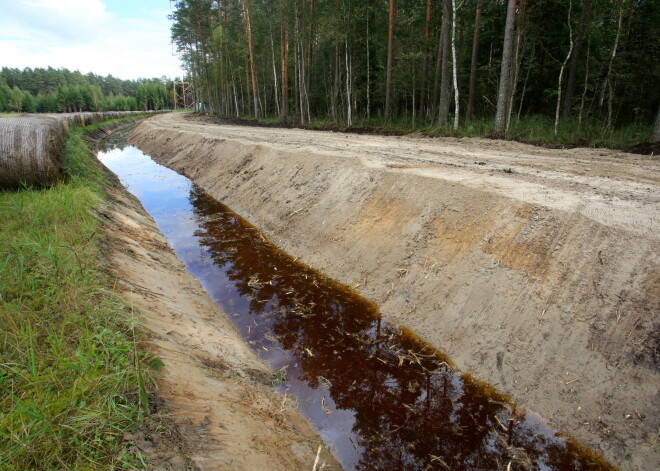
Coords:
47,103
5,92
59,90
71,380
337,53
152,96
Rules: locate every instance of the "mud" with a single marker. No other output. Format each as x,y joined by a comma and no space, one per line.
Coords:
536,270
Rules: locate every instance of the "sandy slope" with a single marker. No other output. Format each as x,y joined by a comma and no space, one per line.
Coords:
212,384
537,270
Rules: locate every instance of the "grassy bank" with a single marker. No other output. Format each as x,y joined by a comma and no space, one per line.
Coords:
537,130
71,375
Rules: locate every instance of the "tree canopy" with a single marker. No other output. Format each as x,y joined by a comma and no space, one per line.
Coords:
328,59
60,90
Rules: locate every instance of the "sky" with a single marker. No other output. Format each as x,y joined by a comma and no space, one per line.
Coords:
129,39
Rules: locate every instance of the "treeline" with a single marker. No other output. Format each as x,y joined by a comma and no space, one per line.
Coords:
439,63
60,90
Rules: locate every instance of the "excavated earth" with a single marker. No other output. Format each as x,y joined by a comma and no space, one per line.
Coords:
537,270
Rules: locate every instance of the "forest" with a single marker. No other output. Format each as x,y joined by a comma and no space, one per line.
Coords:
586,70
52,90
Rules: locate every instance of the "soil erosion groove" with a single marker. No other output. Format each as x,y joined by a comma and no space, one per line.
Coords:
536,270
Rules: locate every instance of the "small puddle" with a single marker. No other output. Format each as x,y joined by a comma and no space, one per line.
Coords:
381,398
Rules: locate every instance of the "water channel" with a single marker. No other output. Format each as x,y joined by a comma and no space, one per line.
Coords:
380,398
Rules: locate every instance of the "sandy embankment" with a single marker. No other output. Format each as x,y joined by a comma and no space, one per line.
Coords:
536,270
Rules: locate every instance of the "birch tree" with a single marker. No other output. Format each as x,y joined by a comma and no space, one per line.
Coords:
390,46
563,65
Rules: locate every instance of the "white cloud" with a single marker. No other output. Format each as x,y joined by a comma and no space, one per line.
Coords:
64,19
83,35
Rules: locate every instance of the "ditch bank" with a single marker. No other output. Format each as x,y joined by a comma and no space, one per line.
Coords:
536,270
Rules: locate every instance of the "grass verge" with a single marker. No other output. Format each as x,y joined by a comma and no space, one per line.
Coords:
71,375
535,129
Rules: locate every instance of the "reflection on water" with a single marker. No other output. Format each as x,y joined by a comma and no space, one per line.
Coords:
380,397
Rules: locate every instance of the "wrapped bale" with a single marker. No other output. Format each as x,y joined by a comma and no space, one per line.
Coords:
31,151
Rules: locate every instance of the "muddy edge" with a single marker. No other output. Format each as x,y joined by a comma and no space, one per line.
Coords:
536,270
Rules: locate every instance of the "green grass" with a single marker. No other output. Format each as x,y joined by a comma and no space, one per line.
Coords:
3,115
534,129
110,122
70,369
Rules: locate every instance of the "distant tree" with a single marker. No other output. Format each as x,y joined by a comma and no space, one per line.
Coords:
16,99
47,103
28,103
5,92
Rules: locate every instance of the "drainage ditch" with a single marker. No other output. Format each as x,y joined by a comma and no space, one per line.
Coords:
379,396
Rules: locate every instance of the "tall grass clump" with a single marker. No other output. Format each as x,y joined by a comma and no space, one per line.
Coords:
69,365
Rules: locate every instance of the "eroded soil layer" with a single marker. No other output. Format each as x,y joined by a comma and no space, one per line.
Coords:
536,270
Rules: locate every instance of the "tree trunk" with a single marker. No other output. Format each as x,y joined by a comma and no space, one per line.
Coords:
368,74
334,96
505,72
612,56
516,61
445,87
563,65
253,75
586,83
524,89
390,46
349,112
438,69
655,135
275,84
572,72
299,59
284,53
473,64
427,39
454,63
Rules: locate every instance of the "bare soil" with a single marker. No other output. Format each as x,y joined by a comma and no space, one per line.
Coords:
536,270
217,408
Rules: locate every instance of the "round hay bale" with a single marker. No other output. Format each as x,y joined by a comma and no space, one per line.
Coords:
30,151
31,145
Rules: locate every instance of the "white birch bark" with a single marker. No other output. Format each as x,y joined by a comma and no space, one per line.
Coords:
563,65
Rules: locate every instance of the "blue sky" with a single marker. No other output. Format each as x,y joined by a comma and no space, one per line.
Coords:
126,38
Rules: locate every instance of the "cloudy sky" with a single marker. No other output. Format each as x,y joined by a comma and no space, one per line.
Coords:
126,38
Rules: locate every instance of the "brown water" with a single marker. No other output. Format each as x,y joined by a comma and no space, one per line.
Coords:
380,397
